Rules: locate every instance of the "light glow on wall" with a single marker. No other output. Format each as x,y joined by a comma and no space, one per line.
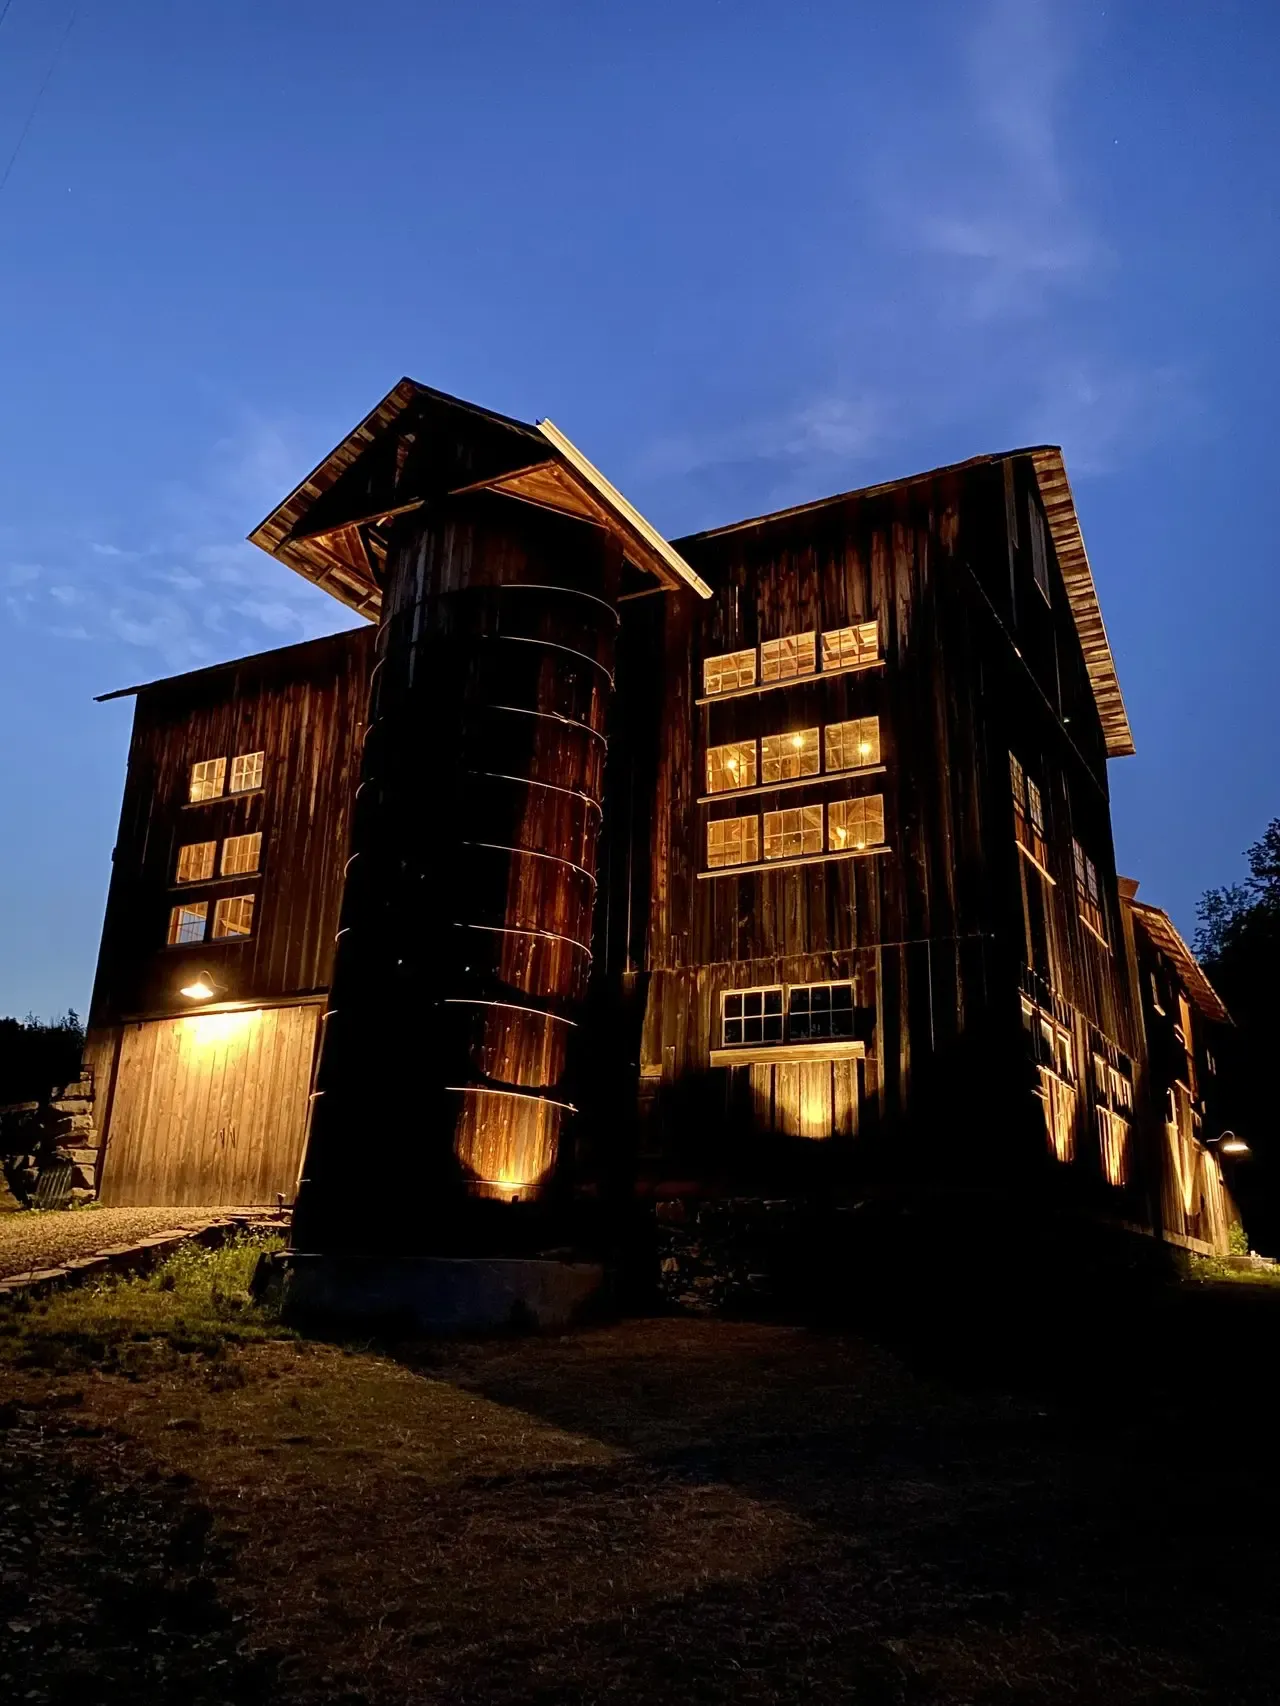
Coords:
207,1030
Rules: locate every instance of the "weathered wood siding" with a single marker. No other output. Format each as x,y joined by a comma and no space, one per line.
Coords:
304,707
210,1109
931,933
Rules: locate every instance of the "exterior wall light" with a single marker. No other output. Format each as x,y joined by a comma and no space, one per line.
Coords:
201,988
1230,1144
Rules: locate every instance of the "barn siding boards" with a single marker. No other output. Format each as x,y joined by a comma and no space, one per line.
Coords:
304,707
210,1109
940,916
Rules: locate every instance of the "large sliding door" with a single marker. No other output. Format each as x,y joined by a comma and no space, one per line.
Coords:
211,1109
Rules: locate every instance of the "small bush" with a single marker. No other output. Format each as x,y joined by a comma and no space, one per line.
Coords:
195,1306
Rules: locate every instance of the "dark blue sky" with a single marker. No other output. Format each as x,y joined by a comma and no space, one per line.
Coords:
745,254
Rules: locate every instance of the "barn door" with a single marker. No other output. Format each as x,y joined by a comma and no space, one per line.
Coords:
210,1110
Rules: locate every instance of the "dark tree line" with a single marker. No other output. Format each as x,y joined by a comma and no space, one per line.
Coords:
1239,944
37,1054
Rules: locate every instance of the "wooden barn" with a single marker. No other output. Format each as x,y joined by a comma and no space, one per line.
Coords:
599,871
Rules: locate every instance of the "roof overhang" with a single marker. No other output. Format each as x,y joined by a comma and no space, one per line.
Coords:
1164,934
332,528
1082,595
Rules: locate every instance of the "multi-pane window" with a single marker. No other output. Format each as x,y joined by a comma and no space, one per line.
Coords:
842,647
792,655
793,833
1113,1141
233,916
1039,548
784,757
752,1016
241,853
733,841
856,823
800,1013
1088,894
207,780
195,861
819,1010
851,745
246,772
1028,813
730,670
187,922
731,766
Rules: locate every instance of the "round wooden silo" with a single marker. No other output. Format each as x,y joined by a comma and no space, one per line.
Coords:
466,941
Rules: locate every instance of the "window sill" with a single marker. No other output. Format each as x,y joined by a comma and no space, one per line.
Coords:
1031,859
215,882
817,777
790,864
789,681
786,1054
222,799
1094,932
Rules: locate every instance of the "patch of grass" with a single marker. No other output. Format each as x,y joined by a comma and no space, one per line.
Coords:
197,1304
1205,1270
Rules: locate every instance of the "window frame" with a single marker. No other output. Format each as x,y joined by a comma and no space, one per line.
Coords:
254,835
845,807
194,909
789,657
810,820
853,646
867,759
794,746
722,823
217,792
202,875
743,1018
259,775
723,659
221,908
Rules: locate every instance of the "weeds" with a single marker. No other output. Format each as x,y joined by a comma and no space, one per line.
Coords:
196,1305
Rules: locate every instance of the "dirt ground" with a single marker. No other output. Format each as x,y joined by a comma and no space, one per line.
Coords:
46,1238
657,1510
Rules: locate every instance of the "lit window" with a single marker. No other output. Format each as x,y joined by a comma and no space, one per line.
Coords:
186,923
207,779
852,745
733,841
844,647
233,916
751,1016
784,757
1028,814
816,1011
732,669
1113,1140
732,766
856,823
195,861
1039,548
1088,894
792,655
241,853
791,834
246,772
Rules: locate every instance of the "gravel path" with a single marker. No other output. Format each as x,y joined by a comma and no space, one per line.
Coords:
45,1239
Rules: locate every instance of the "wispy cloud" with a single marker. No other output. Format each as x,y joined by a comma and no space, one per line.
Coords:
192,590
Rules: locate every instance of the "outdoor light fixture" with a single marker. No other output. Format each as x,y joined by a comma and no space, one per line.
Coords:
201,988
1230,1144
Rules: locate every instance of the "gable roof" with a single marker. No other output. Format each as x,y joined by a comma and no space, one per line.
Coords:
1163,933
1073,560
332,527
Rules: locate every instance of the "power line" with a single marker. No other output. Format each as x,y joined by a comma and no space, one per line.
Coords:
48,78
5,13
